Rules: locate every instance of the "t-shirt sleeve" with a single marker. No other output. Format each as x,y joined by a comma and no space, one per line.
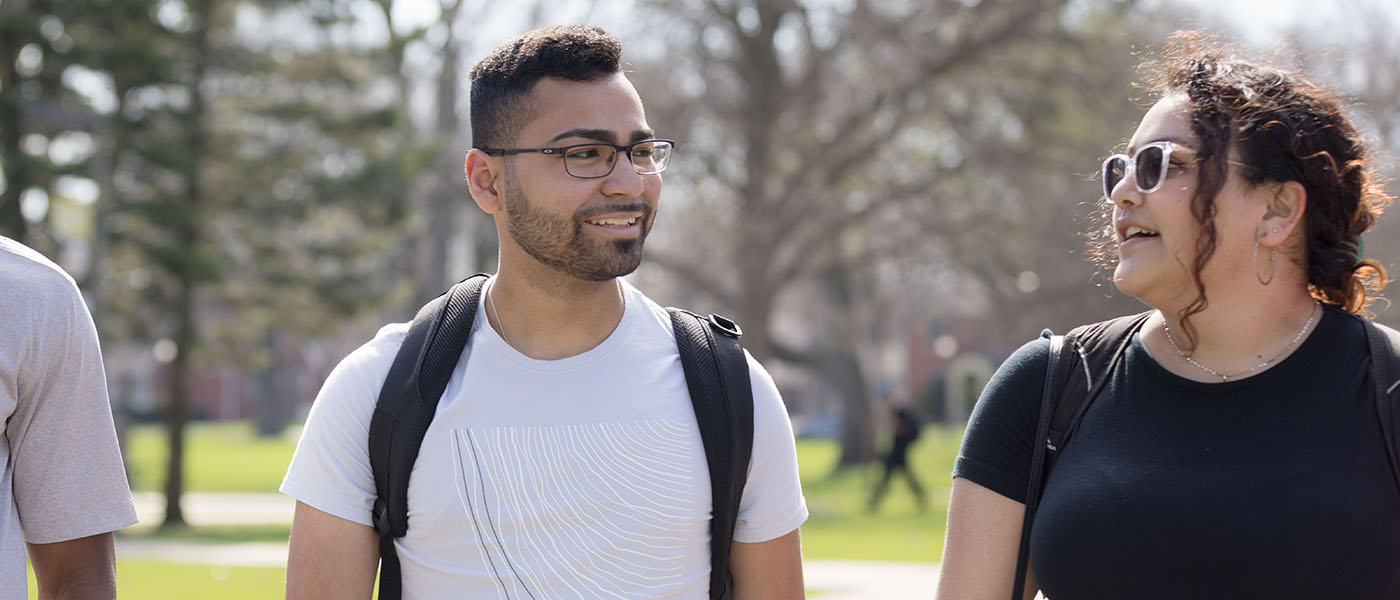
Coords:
330,468
772,504
996,448
69,481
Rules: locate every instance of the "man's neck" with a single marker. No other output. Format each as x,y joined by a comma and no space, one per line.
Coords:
549,316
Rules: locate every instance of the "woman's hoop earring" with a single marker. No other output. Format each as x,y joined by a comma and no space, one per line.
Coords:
1273,259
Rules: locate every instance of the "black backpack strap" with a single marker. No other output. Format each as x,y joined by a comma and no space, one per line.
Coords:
1038,452
1384,345
1096,350
407,403
1080,363
717,375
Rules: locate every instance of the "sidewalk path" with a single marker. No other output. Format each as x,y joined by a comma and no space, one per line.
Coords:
827,579
222,554
869,580
218,509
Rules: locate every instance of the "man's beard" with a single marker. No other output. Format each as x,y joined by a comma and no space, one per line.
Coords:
560,243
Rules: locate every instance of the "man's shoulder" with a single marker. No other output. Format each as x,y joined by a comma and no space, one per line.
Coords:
368,365
28,274
658,313
350,391
661,316
379,349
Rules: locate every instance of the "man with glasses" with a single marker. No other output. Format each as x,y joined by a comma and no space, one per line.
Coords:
564,459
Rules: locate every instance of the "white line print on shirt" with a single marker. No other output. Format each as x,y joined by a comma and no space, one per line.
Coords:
486,510
585,511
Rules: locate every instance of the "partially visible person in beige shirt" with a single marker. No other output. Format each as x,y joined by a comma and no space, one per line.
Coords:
63,490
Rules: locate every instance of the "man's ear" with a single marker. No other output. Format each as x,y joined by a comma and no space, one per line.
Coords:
485,180
1283,213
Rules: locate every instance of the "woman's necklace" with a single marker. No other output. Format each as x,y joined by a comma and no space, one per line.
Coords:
1228,376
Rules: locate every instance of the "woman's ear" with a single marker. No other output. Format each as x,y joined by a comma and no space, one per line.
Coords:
484,180
1283,213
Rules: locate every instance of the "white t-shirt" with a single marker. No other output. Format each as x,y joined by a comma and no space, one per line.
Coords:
61,474
583,477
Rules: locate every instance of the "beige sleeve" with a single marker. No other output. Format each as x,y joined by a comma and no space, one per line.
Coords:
68,477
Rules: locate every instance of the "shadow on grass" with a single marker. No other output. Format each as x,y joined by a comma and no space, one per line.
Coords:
211,533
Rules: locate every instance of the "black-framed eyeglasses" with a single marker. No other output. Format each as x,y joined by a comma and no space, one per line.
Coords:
597,159
1149,163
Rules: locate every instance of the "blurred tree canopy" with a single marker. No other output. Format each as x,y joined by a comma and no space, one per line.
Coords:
252,186
244,178
842,157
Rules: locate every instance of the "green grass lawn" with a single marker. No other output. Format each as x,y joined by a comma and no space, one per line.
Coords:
272,532
154,580
219,457
840,527
228,457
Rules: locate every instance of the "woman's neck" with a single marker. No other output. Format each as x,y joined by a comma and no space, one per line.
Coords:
1232,338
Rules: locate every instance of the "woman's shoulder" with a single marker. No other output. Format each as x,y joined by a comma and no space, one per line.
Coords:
1018,380
1031,356
1025,368
1340,331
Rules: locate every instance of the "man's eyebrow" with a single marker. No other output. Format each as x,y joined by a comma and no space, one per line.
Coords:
602,135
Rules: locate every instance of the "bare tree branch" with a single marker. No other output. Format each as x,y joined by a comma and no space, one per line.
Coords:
685,269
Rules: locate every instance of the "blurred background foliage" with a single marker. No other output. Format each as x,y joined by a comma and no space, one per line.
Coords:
872,188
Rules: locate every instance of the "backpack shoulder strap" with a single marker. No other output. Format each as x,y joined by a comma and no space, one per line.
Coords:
1384,346
1079,365
1089,355
1053,369
717,375
406,405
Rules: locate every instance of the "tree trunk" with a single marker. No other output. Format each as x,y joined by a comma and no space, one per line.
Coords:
109,141
840,369
16,163
274,393
755,315
176,413
857,428
189,273
444,203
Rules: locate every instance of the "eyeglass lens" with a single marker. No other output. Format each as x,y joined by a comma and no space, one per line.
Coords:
597,160
1149,164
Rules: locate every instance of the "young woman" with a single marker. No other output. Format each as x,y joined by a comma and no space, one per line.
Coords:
1235,451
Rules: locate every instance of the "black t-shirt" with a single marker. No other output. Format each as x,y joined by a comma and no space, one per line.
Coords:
1272,486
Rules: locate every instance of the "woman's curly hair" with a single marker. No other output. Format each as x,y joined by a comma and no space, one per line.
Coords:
1286,128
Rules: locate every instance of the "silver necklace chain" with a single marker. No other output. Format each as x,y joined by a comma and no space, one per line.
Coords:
1228,376
491,305
501,325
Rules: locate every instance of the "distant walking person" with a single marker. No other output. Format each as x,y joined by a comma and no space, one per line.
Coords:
905,430
63,490
566,457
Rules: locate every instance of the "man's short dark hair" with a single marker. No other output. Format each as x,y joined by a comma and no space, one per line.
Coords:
501,81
